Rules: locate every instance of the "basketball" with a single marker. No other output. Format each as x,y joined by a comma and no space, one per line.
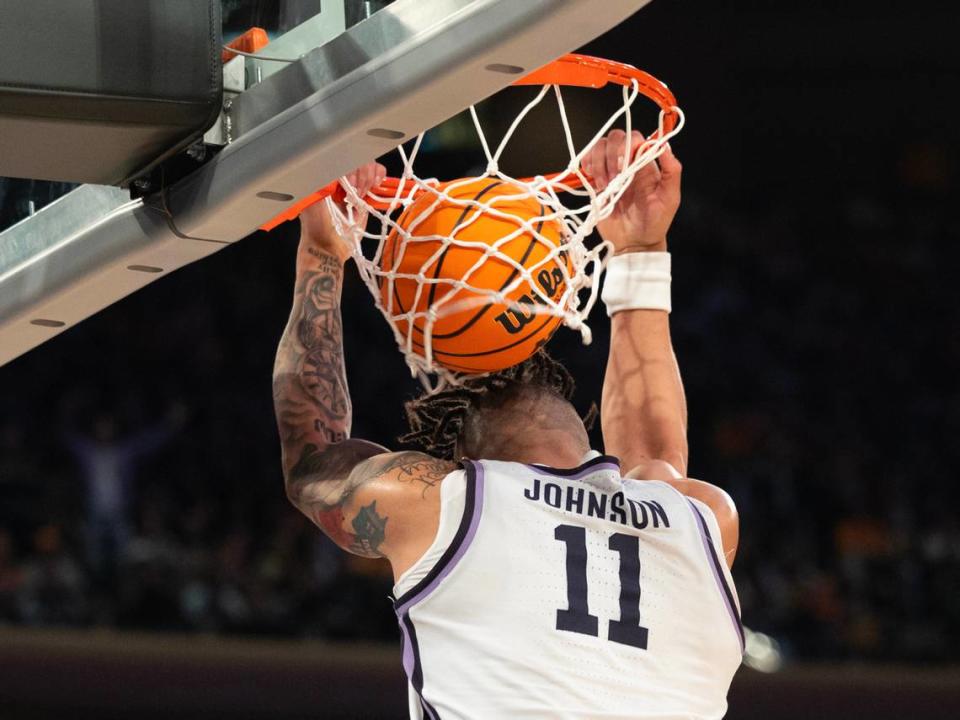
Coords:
474,333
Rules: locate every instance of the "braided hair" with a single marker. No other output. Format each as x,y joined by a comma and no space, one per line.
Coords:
437,420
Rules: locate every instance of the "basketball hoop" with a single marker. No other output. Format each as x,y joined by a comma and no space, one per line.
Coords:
581,267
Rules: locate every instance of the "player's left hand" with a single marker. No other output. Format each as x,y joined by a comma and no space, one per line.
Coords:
317,226
643,215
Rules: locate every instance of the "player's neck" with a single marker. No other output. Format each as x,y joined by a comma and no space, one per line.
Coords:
557,450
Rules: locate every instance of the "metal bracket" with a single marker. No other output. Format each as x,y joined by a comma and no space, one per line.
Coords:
234,83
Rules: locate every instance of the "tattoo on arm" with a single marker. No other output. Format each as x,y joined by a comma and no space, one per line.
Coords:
310,383
323,467
320,333
418,469
369,529
328,503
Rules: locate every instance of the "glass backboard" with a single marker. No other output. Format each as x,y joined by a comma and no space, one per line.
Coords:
360,78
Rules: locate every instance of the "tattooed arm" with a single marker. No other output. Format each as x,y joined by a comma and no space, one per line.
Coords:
368,500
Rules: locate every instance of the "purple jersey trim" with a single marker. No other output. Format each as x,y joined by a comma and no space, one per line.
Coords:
472,509
718,573
603,462
412,666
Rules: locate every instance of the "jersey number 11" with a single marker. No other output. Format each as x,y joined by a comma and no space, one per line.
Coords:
577,618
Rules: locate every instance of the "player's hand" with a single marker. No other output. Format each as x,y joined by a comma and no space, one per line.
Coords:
641,218
317,227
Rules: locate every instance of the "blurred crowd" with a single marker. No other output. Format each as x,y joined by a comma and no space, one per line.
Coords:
139,467
130,531
818,351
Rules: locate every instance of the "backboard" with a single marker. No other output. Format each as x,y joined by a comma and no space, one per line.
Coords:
354,80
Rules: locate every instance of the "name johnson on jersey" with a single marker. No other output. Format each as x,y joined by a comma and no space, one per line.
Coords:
614,507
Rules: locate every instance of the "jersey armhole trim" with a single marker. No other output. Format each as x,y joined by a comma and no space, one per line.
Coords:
718,574
472,508
413,666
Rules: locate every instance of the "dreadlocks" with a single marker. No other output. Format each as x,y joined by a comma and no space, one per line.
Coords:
437,420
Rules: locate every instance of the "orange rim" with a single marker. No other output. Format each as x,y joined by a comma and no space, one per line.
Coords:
575,70
572,70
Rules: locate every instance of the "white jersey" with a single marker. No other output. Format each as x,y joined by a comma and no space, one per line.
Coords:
568,594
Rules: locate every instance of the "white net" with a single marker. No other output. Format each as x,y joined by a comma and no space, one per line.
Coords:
571,204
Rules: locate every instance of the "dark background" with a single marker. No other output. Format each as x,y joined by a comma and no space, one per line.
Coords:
815,322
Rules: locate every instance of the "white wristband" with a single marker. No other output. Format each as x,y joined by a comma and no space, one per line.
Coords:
637,281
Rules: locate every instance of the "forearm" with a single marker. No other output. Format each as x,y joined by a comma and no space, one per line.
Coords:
309,380
643,410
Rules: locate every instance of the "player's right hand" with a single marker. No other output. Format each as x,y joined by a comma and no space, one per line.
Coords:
317,227
644,213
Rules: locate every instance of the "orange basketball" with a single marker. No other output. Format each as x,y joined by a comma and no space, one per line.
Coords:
474,333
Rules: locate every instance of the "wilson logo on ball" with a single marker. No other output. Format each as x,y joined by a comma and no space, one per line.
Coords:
521,313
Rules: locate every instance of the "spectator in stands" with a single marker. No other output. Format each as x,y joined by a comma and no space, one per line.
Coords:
108,462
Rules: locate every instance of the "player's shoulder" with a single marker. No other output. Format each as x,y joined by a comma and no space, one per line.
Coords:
703,494
654,470
399,472
713,497
405,462
399,493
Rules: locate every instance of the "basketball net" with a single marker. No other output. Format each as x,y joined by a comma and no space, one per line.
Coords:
582,207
